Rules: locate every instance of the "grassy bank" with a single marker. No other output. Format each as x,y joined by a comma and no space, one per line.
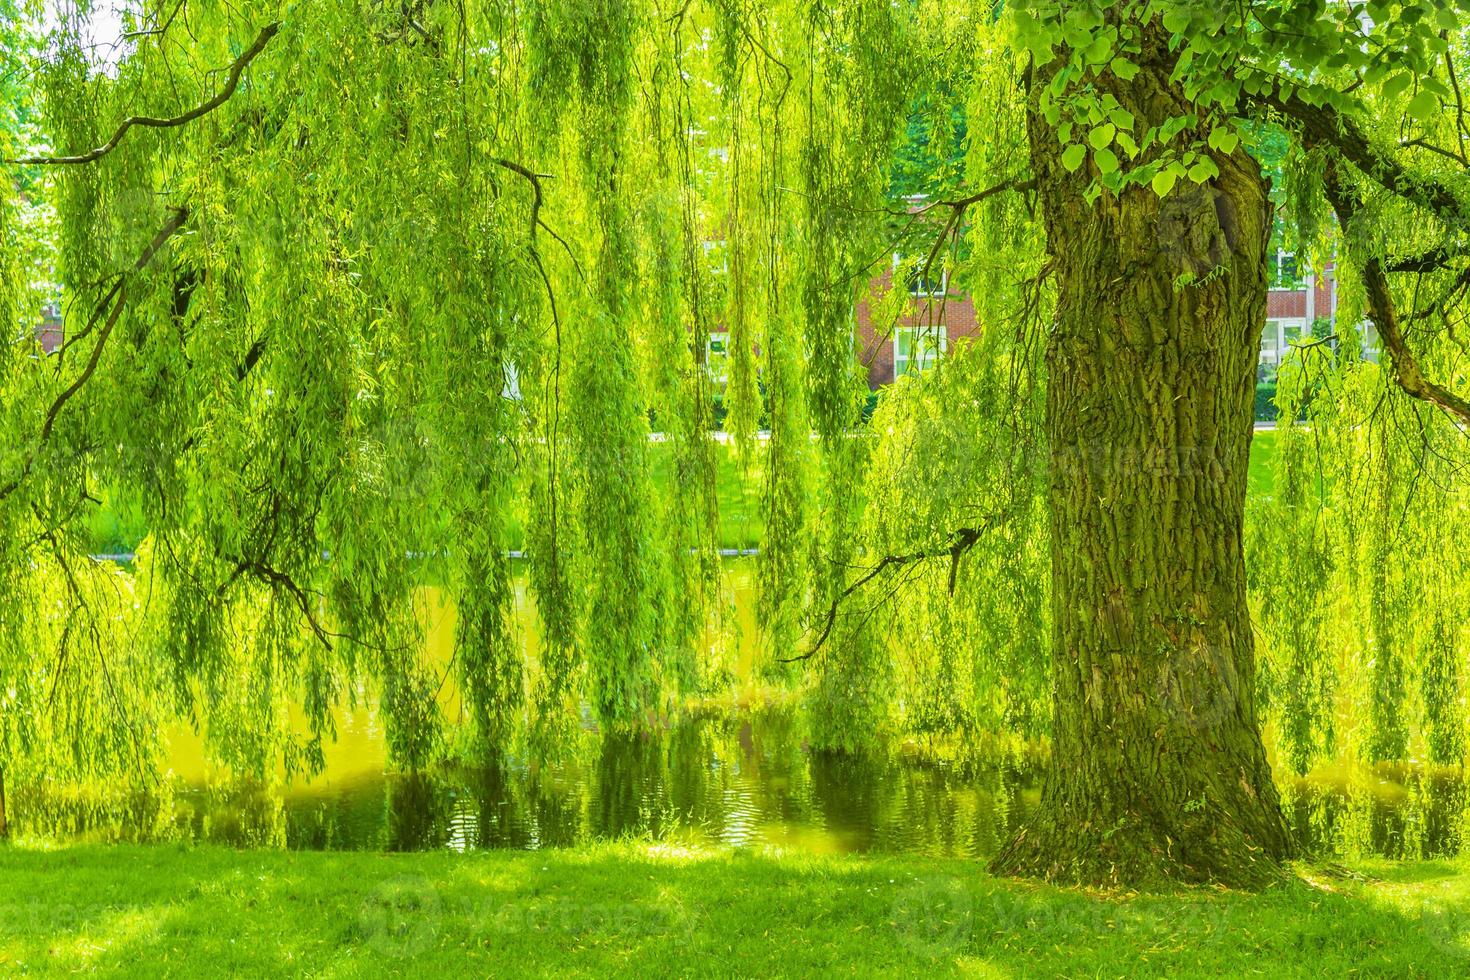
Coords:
118,525
654,910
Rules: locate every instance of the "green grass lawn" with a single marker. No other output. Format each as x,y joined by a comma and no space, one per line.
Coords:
649,910
1261,474
117,526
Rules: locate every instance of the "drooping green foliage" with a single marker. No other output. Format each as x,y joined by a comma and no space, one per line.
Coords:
427,283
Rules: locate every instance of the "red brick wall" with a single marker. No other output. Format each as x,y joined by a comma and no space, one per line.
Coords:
1293,302
955,311
48,334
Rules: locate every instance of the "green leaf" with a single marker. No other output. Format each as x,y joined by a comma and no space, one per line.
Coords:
1203,169
1101,136
1163,182
1073,156
1027,26
1121,118
1224,140
1106,160
1423,106
1176,21
1123,68
1397,85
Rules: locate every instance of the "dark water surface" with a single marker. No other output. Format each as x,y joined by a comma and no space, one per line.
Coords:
750,782
755,782
740,778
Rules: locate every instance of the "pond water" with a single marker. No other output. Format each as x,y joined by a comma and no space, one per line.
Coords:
742,782
744,777
753,781
748,779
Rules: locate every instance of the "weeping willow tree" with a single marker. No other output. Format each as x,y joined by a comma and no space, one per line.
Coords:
356,292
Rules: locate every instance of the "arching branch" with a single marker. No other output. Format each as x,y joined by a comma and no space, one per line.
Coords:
1406,370
959,206
156,122
1325,126
960,542
112,305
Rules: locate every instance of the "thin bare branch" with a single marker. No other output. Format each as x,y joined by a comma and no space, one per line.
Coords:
156,122
960,542
1406,370
112,304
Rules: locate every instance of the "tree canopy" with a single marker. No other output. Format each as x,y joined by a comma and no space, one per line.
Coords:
353,290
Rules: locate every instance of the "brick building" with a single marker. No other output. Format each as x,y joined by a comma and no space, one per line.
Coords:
1303,307
48,332
933,317
1299,308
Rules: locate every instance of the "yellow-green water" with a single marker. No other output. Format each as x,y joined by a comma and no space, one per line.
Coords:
744,776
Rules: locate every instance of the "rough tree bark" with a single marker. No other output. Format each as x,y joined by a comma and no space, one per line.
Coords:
1158,773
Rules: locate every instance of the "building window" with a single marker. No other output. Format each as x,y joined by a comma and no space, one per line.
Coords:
717,356
916,349
1370,341
716,256
512,384
1277,340
919,286
1285,273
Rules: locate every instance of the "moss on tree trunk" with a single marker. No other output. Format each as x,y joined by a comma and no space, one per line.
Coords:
1158,773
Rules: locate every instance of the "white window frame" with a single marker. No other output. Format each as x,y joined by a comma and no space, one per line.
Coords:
1276,327
716,256
1301,274
511,374
1369,334
916,289
723,374
936,332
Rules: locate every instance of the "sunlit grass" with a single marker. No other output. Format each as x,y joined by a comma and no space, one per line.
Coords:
117,526
676,909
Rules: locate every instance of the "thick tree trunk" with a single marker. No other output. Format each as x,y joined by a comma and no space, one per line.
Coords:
1158,772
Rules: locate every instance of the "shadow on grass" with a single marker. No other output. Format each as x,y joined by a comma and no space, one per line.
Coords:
643,910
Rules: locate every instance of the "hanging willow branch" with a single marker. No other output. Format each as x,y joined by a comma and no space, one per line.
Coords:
959,206
155,122
1325,126
1407,372
960,542
112,304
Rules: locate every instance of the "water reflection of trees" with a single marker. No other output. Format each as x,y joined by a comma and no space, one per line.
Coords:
750,779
